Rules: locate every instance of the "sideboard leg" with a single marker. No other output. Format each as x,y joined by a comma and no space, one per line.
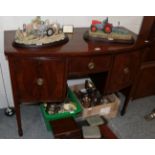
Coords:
20,132
123,111
128,93
18,118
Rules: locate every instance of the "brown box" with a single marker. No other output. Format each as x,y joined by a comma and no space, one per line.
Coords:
66,128
108,110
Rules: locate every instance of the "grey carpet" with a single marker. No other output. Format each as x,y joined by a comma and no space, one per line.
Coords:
133,125
32,122
130,126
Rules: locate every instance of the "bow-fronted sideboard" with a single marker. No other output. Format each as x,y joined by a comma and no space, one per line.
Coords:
41,74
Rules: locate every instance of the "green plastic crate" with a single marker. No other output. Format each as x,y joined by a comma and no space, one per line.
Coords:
49,117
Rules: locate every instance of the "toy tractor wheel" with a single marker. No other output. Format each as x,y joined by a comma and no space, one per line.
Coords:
93,28
108,29
50,32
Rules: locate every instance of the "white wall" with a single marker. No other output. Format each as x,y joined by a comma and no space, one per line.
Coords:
13,22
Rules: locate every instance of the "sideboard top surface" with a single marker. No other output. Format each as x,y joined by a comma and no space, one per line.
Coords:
75,46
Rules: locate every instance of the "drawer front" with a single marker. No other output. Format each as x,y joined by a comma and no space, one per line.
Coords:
39,79
86,65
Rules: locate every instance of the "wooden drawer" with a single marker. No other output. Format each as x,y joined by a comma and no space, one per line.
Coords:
89,64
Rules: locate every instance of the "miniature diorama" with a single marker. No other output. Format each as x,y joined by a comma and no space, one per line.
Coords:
39,33
106,32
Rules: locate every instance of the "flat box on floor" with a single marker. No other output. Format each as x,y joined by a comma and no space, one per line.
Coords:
108,110
66,128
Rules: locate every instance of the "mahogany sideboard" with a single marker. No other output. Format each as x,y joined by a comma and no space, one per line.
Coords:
41,74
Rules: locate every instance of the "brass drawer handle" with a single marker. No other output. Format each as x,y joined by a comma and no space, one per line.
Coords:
91,65
97,49
126,70
40,81
146,41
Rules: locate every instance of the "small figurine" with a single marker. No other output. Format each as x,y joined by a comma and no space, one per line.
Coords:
89,86
69,106
53,108
86,101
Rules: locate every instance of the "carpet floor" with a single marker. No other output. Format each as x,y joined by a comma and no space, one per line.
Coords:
32,123
131,126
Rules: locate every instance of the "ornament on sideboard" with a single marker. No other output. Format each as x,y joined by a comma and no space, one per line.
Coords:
39,33
104,26
106,32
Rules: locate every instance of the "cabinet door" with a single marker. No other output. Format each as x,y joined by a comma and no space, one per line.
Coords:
123,71
39,79
145,80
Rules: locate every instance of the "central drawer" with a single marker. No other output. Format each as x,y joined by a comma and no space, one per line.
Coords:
89,64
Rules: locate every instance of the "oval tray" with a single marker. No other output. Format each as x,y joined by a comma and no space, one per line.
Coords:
56,43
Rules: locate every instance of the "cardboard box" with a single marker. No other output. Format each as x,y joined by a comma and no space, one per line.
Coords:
108,110
66,128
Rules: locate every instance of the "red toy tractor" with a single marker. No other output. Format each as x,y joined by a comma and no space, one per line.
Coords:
101,26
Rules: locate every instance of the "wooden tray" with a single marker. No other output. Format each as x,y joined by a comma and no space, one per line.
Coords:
89,38
56,43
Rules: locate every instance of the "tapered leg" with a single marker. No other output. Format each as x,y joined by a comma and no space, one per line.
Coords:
128,94
123,111
18,118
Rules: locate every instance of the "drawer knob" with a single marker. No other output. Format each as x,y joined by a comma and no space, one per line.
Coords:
91,65
126,70
97,49
40,81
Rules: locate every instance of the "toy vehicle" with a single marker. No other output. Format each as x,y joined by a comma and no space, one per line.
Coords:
101,26
48,29
41,28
